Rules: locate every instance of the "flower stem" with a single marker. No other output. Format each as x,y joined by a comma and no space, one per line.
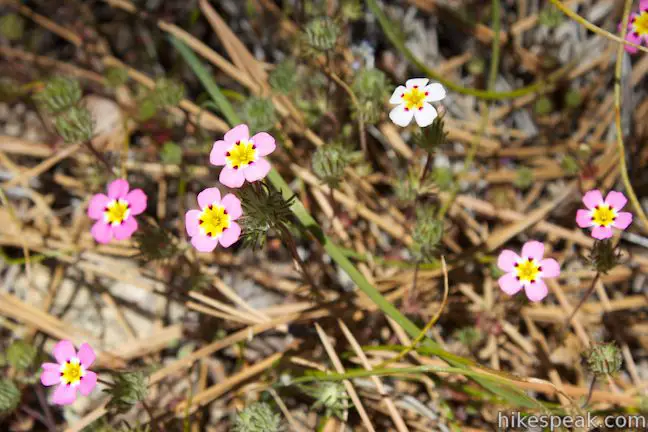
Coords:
290,241
98,155
590,392
585,297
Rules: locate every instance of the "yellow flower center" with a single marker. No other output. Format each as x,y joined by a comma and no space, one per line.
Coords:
603,215
214,220
527,271
242,154
414,98
116,212
72,372
640,24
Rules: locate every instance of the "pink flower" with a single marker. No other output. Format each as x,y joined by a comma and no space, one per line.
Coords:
242,156
527,271
115,213
638,27
214,222
70,372
603,215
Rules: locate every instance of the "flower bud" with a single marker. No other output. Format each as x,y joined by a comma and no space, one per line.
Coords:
523,178
75,125
59,94
116,76
264,209
603,256
329,162
329,395
128,389
168,92
283,78
259,114
322,33
432,137
9,397
258,417
21,355
427,234
604,359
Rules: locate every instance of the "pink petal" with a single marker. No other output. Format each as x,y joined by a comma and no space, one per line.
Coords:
623,220
265,143
616,199
88,383
507,259
118,189
238,133
208,197
643,5
533,249
632,38
230,177
126,229
102,232
217,156
592,198
64,395
233,206
64,351
602,233
86,355
191,222
584,218
509,284
137,200
550,268
203,243
97,206
257,171
51,375
536,291
230,235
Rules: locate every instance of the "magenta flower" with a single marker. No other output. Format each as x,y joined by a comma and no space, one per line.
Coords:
115,213
603,215
638,27
527,271
242,156
214,222
70,372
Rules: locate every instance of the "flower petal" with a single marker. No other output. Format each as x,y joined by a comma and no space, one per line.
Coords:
126,229
265,143
536,291
86,355
632,38
208,197
64,395
88,383
425,115
507,259
257,171
602,233
533,249
435,92
230,235
550,268
102,232
238,133
218,155
64,351
592,198
137,200
50,376
416,82
397,96
97,206
233,206
401,116
643,5
616,200
623,220
584,218
203,243
509,284
118,189
191,222
230,177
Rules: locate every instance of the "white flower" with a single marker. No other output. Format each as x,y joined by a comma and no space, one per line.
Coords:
413,101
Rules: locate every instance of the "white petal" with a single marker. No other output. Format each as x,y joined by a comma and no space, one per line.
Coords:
400,116
420,82
435,91
426,115
396,97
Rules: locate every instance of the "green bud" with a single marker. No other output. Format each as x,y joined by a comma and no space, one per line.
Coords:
9,397
147,108
329,395
569,165
476,66
329,162
258,417
21,355
432,137
171,153
550,16
59,94
351,10
322,33
427,233
543,106
283,78
604,359
603,256
168,92
443,177
523,178
369,87
154,243
12,26
573,98
75,125
129,388
259,114
116,76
